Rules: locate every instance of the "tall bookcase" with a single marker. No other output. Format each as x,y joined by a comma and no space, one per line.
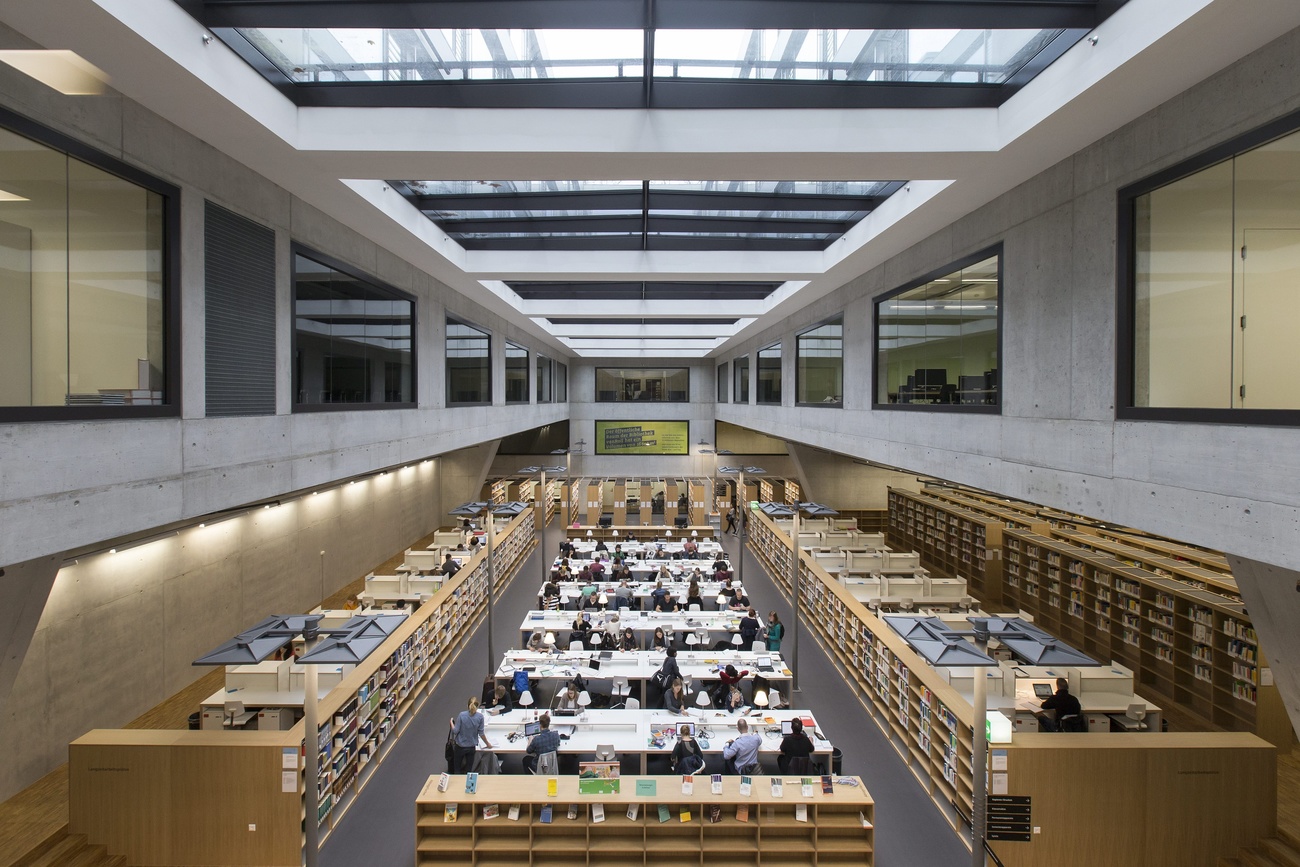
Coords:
952,541
1188,645
927,721
837,828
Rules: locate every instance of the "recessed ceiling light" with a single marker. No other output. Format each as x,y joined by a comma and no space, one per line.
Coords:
6,196
66,71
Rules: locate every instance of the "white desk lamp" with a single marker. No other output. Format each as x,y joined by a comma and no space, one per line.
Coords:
526,698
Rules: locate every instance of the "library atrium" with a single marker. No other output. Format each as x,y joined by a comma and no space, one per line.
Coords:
898,312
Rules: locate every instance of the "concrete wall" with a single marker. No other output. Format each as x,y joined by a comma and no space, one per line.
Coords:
1057,442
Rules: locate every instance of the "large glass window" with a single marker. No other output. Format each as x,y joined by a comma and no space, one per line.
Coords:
1214,271
937,340
544,368
769,374
723,381
561,382
819,372
665,385
469,364
352,337
740,372
516,373
85,277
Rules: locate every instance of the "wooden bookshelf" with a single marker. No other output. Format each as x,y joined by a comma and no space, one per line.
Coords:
360,719
1186,645
927,722
839,828
952,541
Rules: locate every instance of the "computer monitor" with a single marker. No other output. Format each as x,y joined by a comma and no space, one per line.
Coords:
532,728
680,521
689,726
1043,689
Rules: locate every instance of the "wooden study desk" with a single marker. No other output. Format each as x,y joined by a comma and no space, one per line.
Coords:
570,591
715,624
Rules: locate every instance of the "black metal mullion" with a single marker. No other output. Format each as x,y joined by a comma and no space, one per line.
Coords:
645,215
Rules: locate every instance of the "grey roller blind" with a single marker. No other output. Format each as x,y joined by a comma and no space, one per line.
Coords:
239,287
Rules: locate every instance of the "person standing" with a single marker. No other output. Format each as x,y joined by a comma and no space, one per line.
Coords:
467,730
731,521
775,632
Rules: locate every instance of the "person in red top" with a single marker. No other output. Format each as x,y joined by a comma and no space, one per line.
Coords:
727,678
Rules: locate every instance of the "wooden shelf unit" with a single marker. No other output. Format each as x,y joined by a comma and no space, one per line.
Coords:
1190,646
770,837
358,721
952,541
927,721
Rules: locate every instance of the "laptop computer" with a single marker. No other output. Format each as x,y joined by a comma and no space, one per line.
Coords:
1043,690
532,728
607,654
593,664
565,711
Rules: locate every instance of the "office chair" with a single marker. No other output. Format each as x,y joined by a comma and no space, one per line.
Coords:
577,645
759,647
692,640
237,717
548,764
1137,714
694,606
621,687
605,752
631,704
1075,722
799,766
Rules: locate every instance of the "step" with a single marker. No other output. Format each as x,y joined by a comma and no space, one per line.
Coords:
1281,851
41,848
116,861
1256,857
1290,838
1224,861
58,854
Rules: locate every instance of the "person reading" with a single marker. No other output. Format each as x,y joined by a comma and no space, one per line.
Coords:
675,698
740,756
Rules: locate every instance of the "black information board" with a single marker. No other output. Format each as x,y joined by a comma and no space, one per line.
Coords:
1008,818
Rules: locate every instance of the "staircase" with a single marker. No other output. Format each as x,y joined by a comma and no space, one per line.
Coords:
72,850
1280,851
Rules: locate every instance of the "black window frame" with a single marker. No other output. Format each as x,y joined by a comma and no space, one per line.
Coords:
561,382
297,249
667,370
171,274
528,373
736,392
448,319
1126,286
548,363
956,265
723,372
779,346
799,336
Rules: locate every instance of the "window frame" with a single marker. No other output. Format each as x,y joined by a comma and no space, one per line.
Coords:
172,385
779,346
447,401
560,381
955,265
735,392
799,335
528,373
666,369
1126,285
547,362
723,374
297,249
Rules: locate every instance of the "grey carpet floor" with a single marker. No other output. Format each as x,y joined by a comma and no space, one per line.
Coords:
379,828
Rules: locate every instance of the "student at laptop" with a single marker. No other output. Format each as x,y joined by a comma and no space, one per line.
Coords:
675,698
1064,704
449,566
688,758
568,700
623,595
794,745
740,754
545,741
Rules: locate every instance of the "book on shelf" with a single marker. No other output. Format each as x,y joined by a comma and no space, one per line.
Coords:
866,823
806,787
801,812
776,787
688,784
715,784
449,812
664,815
597,813
632,811
513,815
828,784
684,814
491,811
715,814
573,812
552,787
545,816
746,785
742,812
443,782
471,783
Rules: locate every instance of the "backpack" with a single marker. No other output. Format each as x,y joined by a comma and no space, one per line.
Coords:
521,682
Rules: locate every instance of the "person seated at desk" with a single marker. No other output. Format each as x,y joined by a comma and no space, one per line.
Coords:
693,596
691,550
545,741
656,594
666,603
449,566
623,595
628,640
664,574
566,548
739,601
612,630
473,543
597,569
687,757
675,698
500,701
720,562
601,546
795,745
734,699
740,755
728,678
551,596
580,628
749,626
588,594
565,571
568,699
659,641
1065,706
536,643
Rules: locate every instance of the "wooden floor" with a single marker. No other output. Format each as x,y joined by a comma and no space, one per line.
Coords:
40,811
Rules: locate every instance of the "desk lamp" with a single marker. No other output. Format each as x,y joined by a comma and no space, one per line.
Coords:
721,600
761,692
695,533
526,698
549,640
584,699
588,534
